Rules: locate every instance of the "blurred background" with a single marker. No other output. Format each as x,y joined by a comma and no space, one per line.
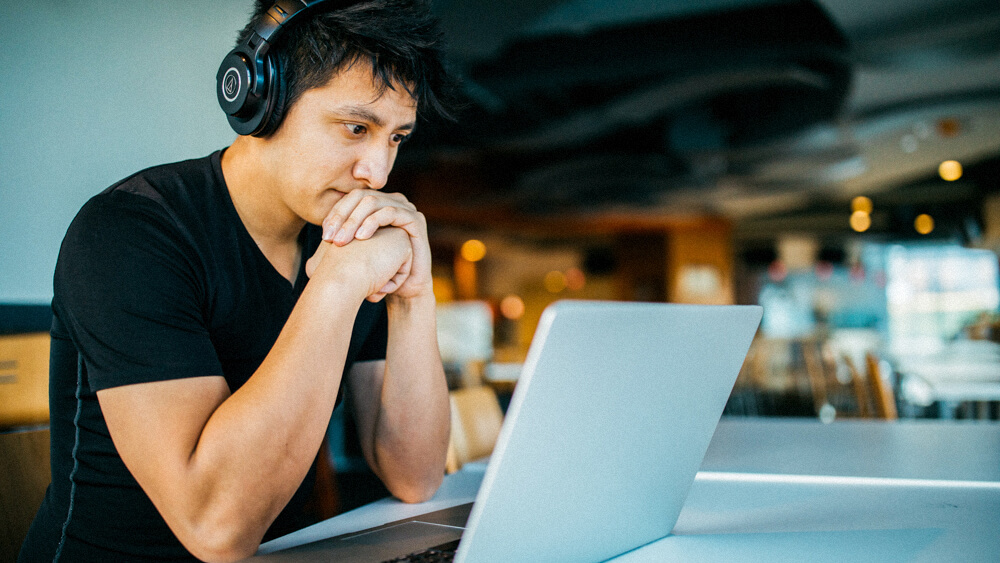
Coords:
835,161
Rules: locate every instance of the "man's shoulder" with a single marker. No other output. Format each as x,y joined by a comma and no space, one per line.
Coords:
182,178
175,199
183,193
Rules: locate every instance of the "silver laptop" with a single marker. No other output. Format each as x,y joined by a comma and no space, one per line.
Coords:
608,424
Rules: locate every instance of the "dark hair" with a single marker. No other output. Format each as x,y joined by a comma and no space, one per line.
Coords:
400,39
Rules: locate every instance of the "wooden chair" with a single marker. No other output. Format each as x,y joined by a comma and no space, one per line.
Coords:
882,396
817,379
24,475
859,388
475,424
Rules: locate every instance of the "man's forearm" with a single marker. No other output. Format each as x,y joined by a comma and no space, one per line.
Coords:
198,450
411,432
282,411
265,436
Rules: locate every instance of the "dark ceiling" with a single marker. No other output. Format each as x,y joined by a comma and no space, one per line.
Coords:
752,110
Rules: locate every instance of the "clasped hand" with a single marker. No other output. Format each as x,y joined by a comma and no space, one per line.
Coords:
396,264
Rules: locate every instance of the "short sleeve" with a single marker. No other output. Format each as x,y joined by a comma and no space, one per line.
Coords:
127,287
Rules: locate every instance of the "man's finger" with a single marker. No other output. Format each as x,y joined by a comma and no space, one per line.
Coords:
370,205
352,209
341,211
385,217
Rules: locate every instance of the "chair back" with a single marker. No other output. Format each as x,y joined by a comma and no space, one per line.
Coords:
859,388
476,419
883,399
817,376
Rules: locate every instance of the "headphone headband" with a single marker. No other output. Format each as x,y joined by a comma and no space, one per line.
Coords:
278,15
248,83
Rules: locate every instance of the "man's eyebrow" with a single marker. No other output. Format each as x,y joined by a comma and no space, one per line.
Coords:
367,115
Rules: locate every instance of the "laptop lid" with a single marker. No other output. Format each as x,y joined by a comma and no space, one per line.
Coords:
609,422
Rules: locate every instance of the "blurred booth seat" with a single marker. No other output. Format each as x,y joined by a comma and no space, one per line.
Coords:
476,419
24,475
24,439
24,379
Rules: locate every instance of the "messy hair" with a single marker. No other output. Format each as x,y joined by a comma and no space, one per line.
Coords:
399,39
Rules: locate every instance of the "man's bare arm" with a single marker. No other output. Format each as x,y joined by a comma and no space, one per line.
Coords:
220,467
401,405
402,410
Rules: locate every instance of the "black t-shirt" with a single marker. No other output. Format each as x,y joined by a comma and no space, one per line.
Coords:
157,279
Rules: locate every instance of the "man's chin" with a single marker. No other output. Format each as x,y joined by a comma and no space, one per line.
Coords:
330,199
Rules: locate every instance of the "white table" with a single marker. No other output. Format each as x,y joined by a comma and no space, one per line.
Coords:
795,490
964,371
910,449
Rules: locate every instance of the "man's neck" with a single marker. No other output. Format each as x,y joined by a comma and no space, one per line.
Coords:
253,188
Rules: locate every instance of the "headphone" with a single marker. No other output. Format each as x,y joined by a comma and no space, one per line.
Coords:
249,83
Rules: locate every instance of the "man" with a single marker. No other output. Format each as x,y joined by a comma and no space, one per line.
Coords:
194,370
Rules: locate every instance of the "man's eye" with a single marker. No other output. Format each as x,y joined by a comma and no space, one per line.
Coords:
356,129
400,138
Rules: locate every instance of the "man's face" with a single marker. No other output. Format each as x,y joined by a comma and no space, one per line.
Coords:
336,138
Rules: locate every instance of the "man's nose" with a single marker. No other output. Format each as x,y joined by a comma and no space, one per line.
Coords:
373,167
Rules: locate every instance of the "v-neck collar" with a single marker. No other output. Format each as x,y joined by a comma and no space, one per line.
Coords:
247,239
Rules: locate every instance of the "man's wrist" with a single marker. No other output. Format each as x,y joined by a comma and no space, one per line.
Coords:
423,303
342,282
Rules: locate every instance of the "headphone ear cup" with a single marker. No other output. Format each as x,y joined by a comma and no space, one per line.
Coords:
246,112
274,101
233,85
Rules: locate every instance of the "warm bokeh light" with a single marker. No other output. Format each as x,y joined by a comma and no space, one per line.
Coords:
575,279
444,289
512,307
924,224
473,250
861,203
555,281
950,170
860,221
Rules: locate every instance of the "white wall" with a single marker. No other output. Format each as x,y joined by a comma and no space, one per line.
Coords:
90,92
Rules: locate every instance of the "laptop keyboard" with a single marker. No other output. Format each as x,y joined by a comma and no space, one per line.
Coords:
444,553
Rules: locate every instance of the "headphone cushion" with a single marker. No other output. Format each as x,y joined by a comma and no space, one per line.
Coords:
275,98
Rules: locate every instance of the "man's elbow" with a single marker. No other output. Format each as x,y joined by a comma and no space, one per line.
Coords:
220,544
